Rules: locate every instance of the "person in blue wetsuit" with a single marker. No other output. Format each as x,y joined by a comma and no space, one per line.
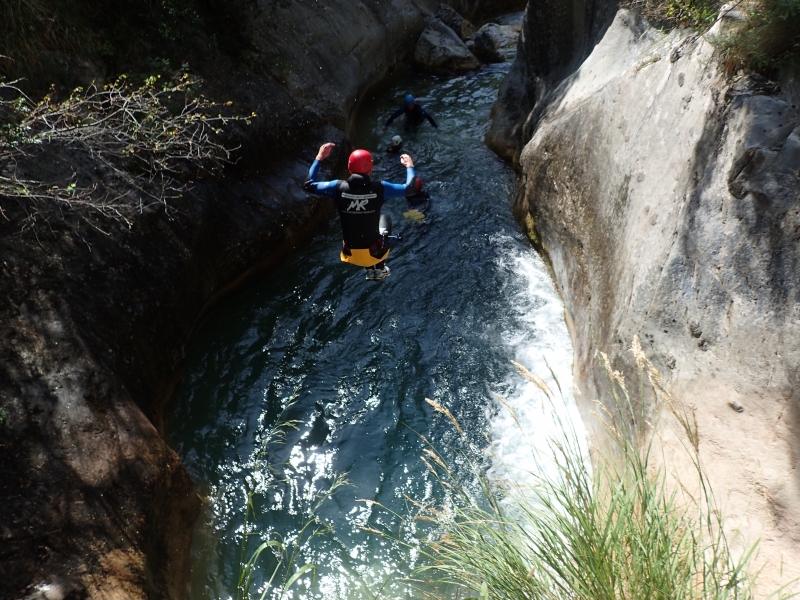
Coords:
359,201
414,113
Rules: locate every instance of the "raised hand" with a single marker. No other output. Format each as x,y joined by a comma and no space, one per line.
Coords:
325,150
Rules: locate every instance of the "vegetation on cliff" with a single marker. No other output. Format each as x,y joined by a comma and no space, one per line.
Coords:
96,121
765,39
672,13
130,147
768,39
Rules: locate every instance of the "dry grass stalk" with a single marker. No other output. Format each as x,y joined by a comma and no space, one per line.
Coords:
537,381
434,457
618,531
441,409
509,408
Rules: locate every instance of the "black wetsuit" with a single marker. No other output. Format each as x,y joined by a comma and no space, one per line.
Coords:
414,113
359,201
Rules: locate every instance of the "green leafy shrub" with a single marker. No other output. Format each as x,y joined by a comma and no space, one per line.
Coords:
697,14
767,41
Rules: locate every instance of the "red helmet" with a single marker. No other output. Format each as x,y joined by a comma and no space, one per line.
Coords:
360,162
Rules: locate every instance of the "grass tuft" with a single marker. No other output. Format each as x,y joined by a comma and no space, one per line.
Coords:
273,567
696,14
767,40
604,529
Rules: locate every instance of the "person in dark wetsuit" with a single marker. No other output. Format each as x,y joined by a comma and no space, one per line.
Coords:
414,113
396,145
419,196
359,201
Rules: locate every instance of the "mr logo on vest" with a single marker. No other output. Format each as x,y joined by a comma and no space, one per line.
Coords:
357,205
359,201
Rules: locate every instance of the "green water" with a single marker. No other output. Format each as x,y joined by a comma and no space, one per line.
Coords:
352,362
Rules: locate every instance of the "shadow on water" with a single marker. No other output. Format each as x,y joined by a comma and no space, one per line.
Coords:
352,361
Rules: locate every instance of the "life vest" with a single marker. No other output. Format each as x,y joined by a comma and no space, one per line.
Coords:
359,203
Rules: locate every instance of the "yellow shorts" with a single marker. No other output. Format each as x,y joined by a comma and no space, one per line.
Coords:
362,258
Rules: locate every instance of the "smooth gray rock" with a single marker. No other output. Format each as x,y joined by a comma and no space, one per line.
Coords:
489,39
668,201
440,50
556,37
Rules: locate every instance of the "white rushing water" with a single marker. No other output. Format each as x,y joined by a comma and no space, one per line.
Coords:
532,414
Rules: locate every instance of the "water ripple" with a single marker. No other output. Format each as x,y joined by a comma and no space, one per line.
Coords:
353,361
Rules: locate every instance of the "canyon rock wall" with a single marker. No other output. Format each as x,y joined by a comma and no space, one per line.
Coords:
95,313
555,38
667,196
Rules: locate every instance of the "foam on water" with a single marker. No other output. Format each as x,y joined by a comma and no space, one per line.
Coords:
531,415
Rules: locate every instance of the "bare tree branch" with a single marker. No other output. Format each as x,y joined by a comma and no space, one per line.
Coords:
143,140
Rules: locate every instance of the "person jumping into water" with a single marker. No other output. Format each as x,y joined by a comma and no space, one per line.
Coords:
414,113
359,201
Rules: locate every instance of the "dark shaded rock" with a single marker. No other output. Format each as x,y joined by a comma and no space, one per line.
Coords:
477,9
96,312
448,15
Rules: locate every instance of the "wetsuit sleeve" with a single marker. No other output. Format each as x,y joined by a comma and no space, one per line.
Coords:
430,118
320,188
395,114
400,190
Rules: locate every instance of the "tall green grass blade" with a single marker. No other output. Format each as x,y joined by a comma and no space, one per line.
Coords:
297,575
617,529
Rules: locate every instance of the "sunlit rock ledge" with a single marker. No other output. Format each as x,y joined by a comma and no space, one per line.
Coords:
667,196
